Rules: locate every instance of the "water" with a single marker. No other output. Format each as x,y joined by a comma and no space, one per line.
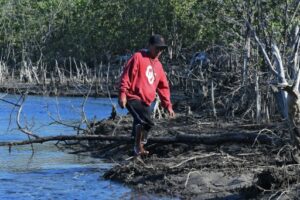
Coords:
50,173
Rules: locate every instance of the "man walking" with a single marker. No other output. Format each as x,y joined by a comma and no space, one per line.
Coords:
142,77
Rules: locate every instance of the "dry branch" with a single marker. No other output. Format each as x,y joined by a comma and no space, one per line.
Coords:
216,139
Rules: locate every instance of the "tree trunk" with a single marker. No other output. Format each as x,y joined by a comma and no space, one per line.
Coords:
214,139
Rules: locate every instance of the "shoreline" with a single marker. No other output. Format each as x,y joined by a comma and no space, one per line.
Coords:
229,169
198,171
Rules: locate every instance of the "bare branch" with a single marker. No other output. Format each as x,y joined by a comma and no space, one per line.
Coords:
216,139
23,129
280,68
296,11
296,57
264,52
297,81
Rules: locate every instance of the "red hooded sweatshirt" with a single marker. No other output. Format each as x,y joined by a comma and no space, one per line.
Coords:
142,77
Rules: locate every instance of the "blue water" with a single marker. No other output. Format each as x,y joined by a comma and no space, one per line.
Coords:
51,173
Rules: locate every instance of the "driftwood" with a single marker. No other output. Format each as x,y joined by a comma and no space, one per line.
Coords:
215,139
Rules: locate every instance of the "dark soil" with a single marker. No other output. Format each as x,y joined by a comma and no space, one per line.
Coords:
231,170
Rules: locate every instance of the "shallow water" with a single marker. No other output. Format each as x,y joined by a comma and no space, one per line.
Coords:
51,173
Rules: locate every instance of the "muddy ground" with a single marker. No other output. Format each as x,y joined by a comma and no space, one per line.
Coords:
232,170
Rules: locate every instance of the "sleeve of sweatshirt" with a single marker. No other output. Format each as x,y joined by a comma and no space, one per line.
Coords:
163,91
129,72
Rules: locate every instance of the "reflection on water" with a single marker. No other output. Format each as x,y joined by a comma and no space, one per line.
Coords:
50,173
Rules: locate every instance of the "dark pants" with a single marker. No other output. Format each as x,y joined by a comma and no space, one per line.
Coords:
141,114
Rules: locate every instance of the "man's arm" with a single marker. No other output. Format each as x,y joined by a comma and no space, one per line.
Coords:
163,91
129,72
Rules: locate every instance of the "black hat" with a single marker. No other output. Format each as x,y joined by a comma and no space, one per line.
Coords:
158,41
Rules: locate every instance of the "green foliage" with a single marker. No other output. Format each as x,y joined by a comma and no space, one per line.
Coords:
89,29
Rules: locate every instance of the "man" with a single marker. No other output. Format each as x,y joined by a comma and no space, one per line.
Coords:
142,77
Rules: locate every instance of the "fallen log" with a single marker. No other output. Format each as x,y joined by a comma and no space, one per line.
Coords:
209,139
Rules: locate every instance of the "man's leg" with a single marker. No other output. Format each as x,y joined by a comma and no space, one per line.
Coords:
139,145
137,140
134,123
141,125
146,129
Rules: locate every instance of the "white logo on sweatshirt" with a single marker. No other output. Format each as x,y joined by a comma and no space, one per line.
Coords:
150,74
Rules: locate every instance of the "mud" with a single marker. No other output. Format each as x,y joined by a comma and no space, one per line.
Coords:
196,171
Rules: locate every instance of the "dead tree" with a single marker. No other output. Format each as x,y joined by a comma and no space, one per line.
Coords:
216,139
289,99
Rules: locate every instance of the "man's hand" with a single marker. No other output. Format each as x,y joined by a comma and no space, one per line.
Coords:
122,102
171,113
